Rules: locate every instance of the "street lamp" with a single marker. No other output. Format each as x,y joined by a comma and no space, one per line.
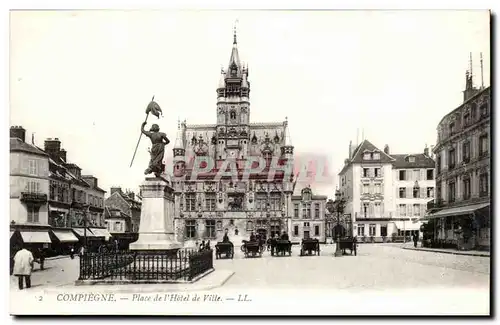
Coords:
338,207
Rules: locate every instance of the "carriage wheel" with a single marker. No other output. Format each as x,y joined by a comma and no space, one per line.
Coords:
243,248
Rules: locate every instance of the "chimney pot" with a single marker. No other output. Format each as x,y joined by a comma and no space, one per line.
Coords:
386,149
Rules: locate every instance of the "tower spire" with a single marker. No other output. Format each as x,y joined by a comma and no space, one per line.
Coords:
482,77
470,70
234,32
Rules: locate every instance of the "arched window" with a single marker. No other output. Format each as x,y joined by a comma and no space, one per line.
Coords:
232,115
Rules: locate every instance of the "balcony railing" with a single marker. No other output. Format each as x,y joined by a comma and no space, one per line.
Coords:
33,197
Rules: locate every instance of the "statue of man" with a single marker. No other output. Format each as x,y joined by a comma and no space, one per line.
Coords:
158,141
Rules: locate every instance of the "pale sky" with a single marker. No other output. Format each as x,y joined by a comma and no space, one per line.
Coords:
86,77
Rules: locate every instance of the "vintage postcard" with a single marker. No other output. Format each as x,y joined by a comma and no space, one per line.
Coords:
205,162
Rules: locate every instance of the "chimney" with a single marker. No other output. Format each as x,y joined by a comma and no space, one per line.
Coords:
18,132
91,180
52,147
346,161
115,189
386,149
131,195
426,151
62,155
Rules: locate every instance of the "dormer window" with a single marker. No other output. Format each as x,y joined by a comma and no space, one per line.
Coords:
367,156
411,159
234,70
376,156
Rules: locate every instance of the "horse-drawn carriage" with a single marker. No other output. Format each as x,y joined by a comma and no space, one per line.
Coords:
308,246
252,248
281,247
226,248
349,243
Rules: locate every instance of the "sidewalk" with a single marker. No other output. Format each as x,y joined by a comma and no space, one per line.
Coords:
445,250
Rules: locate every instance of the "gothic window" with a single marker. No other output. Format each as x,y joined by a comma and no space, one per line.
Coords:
210,228
210,201
254,139
190,228
232,115
191,202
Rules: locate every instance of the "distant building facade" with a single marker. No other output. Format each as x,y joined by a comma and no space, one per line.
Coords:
309,213
29,184
463,171
381,193
123,211
73,196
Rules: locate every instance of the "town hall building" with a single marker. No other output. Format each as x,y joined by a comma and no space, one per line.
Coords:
208,202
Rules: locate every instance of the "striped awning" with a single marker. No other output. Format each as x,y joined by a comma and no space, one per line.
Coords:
407,225
81,232
36,237
101,232
468,209
65,236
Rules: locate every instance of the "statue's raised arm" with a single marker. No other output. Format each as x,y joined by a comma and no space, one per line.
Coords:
146,133
164,138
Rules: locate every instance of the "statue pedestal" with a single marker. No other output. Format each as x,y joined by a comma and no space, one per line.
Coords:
156,228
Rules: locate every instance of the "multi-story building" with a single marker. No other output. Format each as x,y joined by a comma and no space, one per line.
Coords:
463,173
29,190
129,207
414,184
375,195
308,216
208,202
117,221
75,201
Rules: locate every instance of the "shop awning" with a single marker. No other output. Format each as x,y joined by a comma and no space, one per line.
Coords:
36,237
81,232
55,209
100,232
457,211
65,236
407,225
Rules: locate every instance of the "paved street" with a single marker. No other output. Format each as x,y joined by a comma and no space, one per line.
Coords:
375,267
57,272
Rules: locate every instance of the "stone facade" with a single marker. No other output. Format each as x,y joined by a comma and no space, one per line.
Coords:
214,189
29,182
463,171
369,182
309,216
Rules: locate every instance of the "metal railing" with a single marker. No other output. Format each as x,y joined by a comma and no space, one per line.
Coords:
153,266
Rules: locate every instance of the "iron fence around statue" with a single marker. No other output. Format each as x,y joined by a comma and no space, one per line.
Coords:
148,266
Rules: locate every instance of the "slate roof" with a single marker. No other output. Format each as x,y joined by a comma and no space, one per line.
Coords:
17,144
421,161
399,161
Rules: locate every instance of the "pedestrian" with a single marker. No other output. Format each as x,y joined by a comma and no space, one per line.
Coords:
82,251
23,266
41,258
415,240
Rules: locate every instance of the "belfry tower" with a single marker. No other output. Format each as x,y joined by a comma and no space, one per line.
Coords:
233,108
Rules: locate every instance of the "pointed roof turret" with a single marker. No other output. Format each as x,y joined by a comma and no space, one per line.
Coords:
222,82
178,140
288,139
234,61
